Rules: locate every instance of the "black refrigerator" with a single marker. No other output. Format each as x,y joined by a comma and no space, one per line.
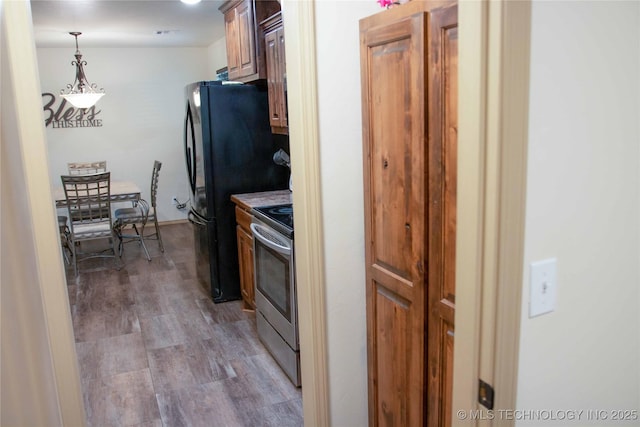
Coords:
229,150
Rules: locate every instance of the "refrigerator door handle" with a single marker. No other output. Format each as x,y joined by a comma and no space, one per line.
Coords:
190,151
193,218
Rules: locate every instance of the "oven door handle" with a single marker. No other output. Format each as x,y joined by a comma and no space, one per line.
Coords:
256,229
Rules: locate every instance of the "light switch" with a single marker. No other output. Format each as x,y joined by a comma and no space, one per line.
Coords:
543,287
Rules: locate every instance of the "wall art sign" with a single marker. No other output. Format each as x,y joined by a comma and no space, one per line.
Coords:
66,116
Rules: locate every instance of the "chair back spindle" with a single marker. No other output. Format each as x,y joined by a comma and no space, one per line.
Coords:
86,168
155,174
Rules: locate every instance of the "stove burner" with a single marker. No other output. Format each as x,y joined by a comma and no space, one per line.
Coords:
279,210
281,215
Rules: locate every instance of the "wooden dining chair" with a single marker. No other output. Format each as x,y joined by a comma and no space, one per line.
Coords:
89,206
140,215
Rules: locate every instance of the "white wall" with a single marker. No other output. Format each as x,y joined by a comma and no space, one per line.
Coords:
217,53
141,113
583,208
340,123
39,378
20,304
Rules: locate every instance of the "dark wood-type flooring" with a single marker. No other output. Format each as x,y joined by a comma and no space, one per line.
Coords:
154,350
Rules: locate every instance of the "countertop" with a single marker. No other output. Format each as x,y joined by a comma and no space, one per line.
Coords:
249,201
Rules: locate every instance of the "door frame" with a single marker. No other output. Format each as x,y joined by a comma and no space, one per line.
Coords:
494,72
39,344
309,249
492,159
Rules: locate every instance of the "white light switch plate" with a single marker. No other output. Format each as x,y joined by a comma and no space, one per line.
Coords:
543,284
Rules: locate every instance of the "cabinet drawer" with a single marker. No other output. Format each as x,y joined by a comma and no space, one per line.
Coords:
243,218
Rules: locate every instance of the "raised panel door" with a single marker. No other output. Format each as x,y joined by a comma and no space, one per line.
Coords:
442,167
276,73
409,103
245,259
231,34
246,38
282,78
394,142
273,78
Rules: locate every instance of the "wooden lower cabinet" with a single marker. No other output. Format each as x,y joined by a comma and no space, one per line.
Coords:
409,102
245,258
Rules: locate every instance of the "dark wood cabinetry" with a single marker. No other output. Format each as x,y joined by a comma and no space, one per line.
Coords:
273,29
245,257
244,204
409,100
245,45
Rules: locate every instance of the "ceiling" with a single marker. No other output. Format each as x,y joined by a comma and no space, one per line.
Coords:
123,23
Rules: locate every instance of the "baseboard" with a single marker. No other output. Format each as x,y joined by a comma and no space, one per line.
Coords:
173,221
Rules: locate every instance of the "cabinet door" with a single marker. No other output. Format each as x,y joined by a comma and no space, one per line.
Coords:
276,70
245,258
282,74
246,38
231,34
245,43
271,46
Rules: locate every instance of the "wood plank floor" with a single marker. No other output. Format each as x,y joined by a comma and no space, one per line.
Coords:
154,350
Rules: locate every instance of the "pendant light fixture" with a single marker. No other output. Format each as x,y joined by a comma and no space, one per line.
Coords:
81,94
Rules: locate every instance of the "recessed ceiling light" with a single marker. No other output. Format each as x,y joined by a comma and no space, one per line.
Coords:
190,1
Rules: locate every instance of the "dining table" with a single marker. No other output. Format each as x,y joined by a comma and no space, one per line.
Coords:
120,191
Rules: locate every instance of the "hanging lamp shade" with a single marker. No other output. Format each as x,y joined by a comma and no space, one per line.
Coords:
81,94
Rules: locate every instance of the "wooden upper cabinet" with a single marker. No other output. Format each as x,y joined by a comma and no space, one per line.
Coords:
408,60
273,29
245,51
233,45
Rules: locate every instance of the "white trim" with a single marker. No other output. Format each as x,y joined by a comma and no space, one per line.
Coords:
37,260
471,145
512,186
494,72
300,34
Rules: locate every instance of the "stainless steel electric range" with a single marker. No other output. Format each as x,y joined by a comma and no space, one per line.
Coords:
275,281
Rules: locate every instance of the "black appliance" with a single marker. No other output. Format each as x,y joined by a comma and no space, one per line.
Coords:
279,217
229,149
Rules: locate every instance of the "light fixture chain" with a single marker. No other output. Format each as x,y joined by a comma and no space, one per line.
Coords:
81,93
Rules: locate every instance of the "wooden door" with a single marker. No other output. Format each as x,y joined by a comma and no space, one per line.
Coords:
409,185
276,73
232,43
273,77
282,78
442,173
245,260
246,37
395,135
